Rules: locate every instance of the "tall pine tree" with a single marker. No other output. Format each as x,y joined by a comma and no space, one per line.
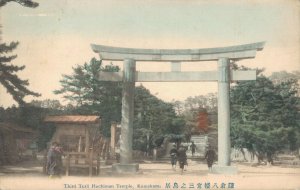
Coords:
91,96
14,85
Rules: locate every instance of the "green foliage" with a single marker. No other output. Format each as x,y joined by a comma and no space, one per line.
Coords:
152,117
31,115
189,110
155,118
264,115
202,102
91,96
13,84
34,113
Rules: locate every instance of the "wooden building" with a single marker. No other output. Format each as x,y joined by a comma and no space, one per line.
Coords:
79,136
75,132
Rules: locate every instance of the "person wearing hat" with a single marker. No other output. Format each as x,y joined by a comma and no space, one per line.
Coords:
182,158
193,148
173,154
54,160
210,157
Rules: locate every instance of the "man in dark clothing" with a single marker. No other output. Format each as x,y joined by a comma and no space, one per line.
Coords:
54,160
182,158
173,154
193,148
210,157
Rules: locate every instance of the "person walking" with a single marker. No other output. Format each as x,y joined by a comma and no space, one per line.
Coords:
182,158
173,154
193,148
54,160
210,157
59,153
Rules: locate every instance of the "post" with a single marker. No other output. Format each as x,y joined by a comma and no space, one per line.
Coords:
90,155
68,165
148,139
127,111
223,112
98,164
87,139
79,144
45,169
113,139
155,154
77,157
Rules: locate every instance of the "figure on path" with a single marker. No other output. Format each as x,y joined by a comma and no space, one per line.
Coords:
182,158
54,160
193,148
210,157
173,154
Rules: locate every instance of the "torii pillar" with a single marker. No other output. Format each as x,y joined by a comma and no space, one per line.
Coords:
126,165
127,111
223,76
224,148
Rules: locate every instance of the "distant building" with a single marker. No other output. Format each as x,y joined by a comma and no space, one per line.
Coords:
16,142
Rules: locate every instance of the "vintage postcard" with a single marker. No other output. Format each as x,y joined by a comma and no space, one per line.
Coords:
153,94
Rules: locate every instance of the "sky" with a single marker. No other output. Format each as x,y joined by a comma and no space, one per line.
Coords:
56,36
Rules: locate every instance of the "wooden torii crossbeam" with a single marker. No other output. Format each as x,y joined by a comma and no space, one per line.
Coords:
223,76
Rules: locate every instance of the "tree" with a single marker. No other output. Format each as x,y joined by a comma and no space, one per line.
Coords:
91,96
208,102
192,106
25,3
32,116
48,103
14,85
288,80
263,116
178,106
155,118
283,77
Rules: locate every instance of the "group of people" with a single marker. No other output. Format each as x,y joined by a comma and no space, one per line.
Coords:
54,160
179,155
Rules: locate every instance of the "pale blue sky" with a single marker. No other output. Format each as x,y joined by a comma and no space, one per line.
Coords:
145,19
57,35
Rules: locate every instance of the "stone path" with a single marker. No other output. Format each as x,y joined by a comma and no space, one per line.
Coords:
155,176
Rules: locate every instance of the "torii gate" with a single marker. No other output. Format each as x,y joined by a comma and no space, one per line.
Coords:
223,76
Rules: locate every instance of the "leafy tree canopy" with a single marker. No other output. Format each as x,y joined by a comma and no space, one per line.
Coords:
91,96
152,116
264,116
190,108
155,118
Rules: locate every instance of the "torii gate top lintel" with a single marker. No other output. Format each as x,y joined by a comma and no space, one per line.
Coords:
245,51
